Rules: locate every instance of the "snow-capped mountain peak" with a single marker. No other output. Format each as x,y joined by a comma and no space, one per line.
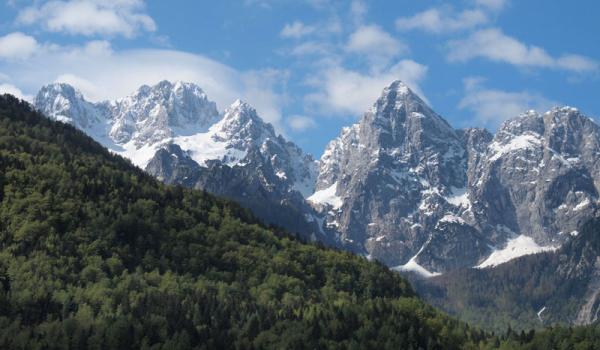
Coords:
150,115
396,91
397,96
388,183
161,123
63,102
155,113
241,121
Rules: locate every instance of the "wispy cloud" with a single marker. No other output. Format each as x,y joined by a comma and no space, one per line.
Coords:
296,30
358,11
494,5
6,88
493,106
101,72
496,46
443,20
309,48
376,44
301,122
348,92
17,46
347,66
89,17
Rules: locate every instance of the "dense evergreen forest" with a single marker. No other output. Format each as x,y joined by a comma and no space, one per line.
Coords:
94,253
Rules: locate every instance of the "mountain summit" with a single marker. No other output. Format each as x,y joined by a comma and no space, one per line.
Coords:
173,131
134,125
396,174
406,188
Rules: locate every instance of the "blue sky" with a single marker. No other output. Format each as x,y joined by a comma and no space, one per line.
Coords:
311,67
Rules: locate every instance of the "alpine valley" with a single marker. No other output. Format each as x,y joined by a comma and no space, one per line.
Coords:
402,186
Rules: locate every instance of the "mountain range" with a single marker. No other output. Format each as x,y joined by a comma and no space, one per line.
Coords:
401,186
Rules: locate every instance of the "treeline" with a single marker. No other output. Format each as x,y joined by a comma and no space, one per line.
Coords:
96,254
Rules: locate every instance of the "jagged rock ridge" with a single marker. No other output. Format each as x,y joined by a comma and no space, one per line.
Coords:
174,132
413,192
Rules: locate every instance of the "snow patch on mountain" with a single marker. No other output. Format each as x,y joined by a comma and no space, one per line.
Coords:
459,197
138,155
204,147
540,312
413,266
452,219
582,205
327,197
516,143
515,247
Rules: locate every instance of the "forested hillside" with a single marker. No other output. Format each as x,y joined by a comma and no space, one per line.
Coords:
96,254
533,291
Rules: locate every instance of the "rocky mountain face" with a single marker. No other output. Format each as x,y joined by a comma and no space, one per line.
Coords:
396,177
401,186
580,261
174,132
413,192
242,158
153,114
539,176
137,125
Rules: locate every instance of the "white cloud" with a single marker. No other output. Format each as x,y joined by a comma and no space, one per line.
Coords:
102,73
375,43
577,63
86,87
296,30
348,92
442,20
301,122
491,106
17,45
265,91
89,17
310,48
15,91
494,45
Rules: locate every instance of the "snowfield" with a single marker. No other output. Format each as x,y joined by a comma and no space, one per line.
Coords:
516,247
